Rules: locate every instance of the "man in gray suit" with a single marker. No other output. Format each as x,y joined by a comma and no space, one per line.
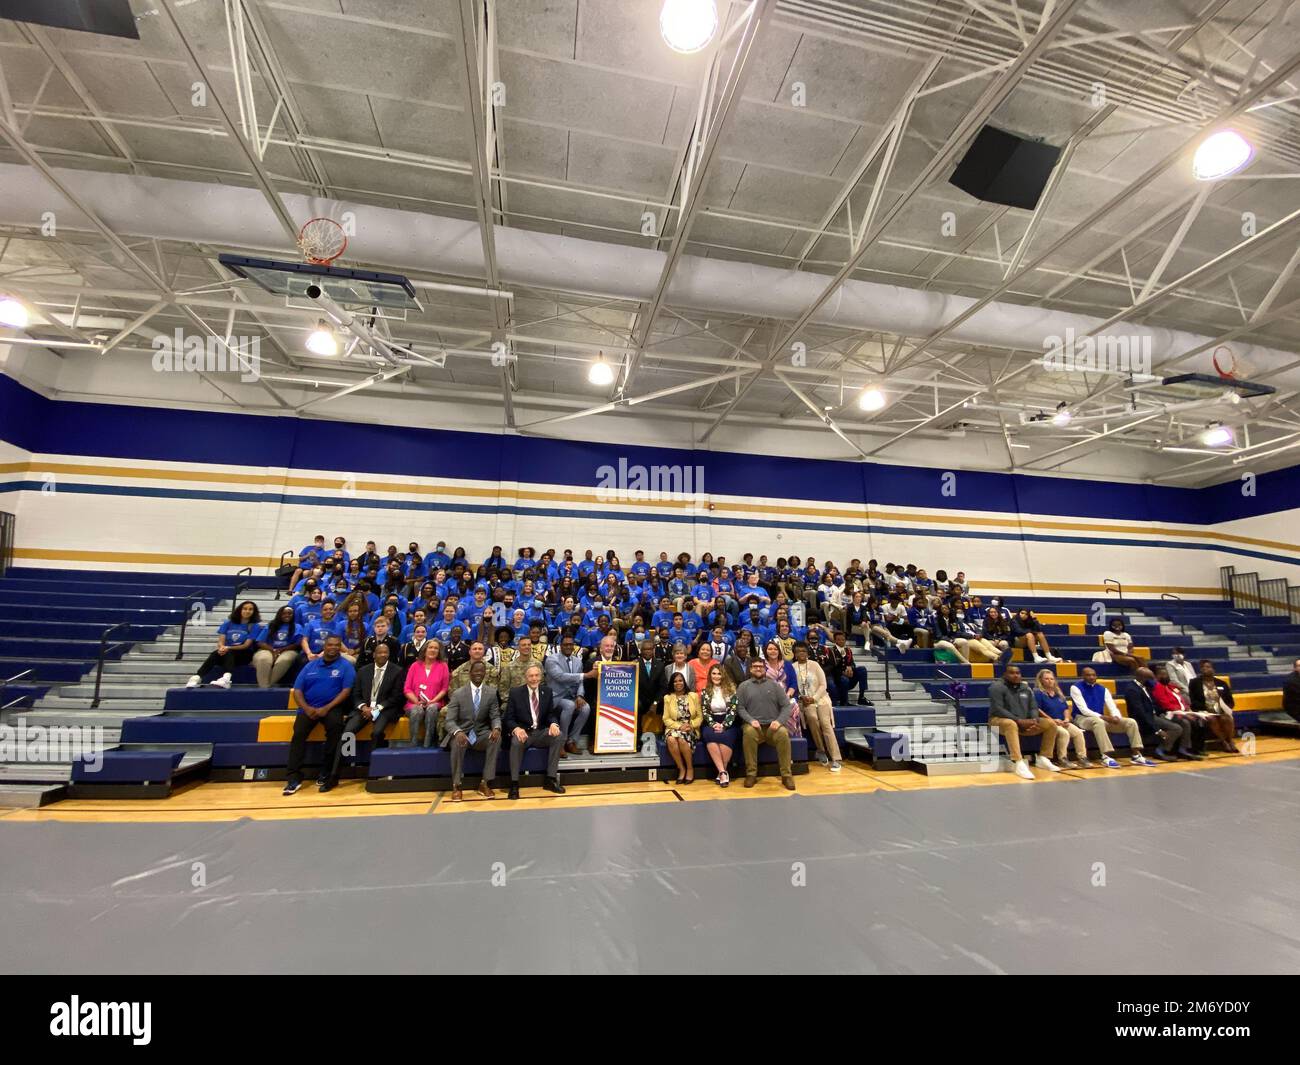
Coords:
474,722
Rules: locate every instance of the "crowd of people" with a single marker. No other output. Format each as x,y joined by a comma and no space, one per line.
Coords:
742,652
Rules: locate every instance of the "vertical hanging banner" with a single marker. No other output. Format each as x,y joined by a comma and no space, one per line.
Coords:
616,684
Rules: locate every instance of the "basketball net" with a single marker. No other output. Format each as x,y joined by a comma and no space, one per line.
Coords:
322,240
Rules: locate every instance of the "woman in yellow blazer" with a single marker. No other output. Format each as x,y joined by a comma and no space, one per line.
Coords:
682,720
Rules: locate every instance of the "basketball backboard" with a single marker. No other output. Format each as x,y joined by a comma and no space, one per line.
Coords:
354,289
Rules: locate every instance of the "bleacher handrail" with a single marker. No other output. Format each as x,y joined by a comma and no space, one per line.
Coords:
103,651
247,571
871,646
6,681
283,556
190,599
1118,589
956,699
8,523
1182,625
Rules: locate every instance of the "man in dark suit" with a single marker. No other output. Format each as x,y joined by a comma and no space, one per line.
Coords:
651,686
533,720
473,722
1142,708
376,700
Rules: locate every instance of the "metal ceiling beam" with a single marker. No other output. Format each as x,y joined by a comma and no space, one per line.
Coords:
1087,224
967,127
633,401
820,414
481,152
254,164
712,124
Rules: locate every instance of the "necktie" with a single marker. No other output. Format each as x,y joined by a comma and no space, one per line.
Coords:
379,676
476,695
532,696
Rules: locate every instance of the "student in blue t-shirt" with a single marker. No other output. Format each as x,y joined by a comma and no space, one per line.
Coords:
321,691
278,648
309,609
317,631
237,640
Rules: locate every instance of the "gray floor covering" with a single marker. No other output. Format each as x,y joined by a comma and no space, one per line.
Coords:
1200,869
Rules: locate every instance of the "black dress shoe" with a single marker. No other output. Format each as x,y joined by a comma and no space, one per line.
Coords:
554,785
862,701
513,793
325,785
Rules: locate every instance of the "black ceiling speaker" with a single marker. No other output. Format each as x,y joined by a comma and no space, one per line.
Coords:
1000,167
110,17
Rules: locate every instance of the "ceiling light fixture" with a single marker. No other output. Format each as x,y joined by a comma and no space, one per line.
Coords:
601,373
1221,154
1062,416
322,341
12,313
688,25
1218,435
871,399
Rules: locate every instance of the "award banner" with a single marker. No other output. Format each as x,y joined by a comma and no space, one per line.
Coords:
616,718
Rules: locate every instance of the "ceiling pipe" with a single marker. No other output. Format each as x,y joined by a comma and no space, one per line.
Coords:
227,216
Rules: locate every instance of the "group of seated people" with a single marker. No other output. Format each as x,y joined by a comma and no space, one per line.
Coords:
1180,708
436,619
541,704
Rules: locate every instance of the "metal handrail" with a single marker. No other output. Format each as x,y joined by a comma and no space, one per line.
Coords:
884,659
241,585
956,699
103,650
283,556
190,599
19,703
1182,625
5,681
1118,589
1250,647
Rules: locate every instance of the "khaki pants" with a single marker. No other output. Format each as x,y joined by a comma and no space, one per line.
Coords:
1100,724
1068,732
1010,730
819,726
778,738
272,671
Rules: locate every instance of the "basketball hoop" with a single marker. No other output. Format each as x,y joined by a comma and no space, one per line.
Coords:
1229,371
322,240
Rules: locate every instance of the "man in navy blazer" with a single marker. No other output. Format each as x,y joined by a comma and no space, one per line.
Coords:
533,720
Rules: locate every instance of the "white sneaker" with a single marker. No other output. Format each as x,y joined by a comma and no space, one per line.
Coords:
224,681
194,681
835,767
1039,660
1046,763
1023,770
904,646
1053,659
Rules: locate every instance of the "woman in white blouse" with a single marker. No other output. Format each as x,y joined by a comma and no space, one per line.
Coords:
815,704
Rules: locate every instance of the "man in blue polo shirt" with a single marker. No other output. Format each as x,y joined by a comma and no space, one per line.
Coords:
320,690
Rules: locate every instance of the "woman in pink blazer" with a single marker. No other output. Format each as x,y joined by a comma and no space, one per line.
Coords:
427,682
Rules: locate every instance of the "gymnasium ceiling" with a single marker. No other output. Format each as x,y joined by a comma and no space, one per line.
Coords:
366,102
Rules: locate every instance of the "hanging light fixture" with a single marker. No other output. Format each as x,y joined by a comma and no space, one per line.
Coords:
601,372
12,313
1218,435
1062,416
322,341
871,399
1221,154
688,25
